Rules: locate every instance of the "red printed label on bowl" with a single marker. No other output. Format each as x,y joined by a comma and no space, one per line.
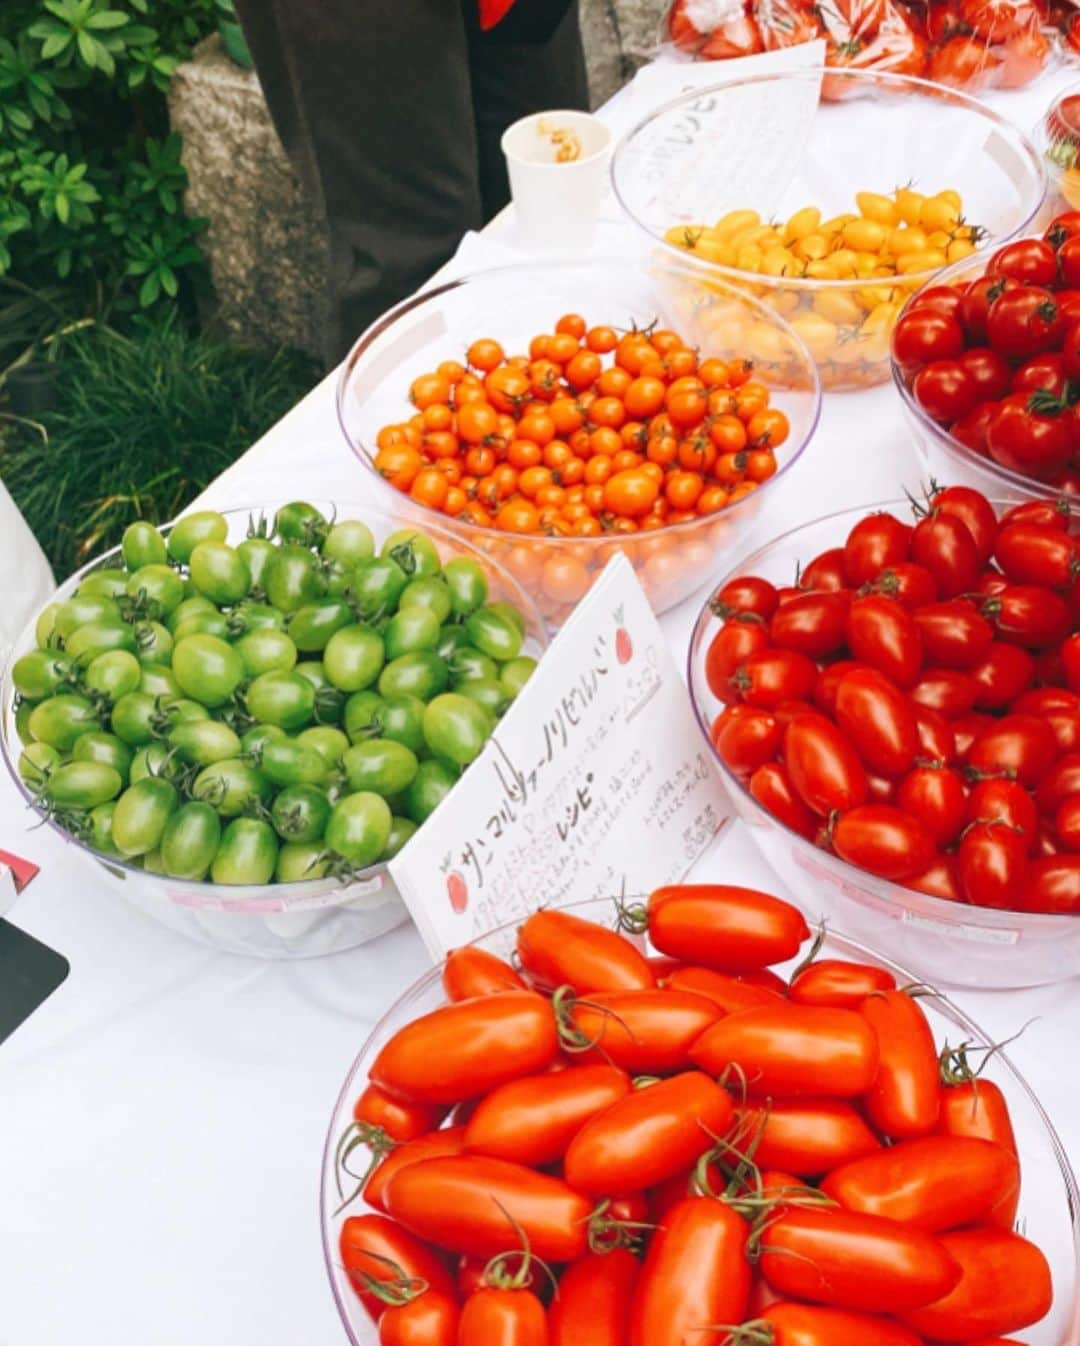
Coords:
338,896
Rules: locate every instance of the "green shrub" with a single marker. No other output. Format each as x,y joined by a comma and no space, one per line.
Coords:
144,425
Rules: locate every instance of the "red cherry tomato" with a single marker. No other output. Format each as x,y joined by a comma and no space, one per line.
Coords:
945,390
805,1136
838,983
936,796
730,929
992,864
973,510
470,972
944,546
942,298
826,572
812,623
401,1121
771,786
945,690
1022,746
1028,614
593,1303
875,543
1060,708
1053,885
374,1248
733,644
823,766
496,1317
881,632
1045,372
976,302
939,879
746,738
1030,433
557,948
1023,322
773,676
990,373
923,335
878,720
1001,800
954,634
911,585
883,840
1059,783
1031,261
1006,671
431,1319
750,594
937,739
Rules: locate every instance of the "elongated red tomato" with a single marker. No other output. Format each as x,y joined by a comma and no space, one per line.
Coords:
883,840
824,768
746,738
854,1261
648,1136
877,541
949,691
696,1276
450,1140
469,972
881,632
904,1099
772,676
464,1050
374,1248
878,719
557,948
731,994
592,1307
1004,1286
936,796
812,1325
974,511
771,786
805,1136
401,1121
789,1050
1036,554
739,638
978,1108
836,983
954,633
471,1204
495,1317
726,928
431,1319
934,1183
644,1032
812,623
532,1121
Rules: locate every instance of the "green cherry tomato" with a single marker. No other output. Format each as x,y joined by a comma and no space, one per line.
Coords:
292,578
312,625
301,860
494,634
265,650
107,582
153,863
377,586
133,718
141,814
100,836
83,785
158,588
285,699
337,577
256,617
203,624
467,662
190,841
300,522
152,760
207,669
415,628
142,545
349,542
285,762
188,608
153,642
421,674
220,572
432,783
157,680
256,738
257,552
314,672
401,718
512,614
414,552
231,786
41,673
97,746
247,853
515,673
456,727
300,813
402,830
329,702
87,642
361,715
82,609
381,765
327,740
204,741
180,711
35,762
113,674
353,658
203,526
488,693
467,583
451,639
430,592
62,719
23,712
358,828
45,624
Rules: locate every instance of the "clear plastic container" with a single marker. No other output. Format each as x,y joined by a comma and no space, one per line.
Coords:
274,920
513,304
945,943
946,459
1049,1197
1057,137
768,143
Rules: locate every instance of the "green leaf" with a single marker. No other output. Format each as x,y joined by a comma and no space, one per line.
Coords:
107,18
149,290
169,282
62,207
88,47
54,44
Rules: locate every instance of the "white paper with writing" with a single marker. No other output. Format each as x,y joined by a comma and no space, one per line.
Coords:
597,778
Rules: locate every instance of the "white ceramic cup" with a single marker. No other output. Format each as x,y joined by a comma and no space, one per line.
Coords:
557,162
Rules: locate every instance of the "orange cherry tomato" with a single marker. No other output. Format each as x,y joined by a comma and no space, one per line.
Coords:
485,355
583,370
836,982
812,1325
728,434
453,371
613,382
723,927
476,421
573,323
430,487
401,1121
428,1319
750,398
518,516
644,1032
807,1137
592,1307
644,396
450,1140
503,1317
398,464
429,390
557,948
373,1248
904,1099
470,972
713,372
768,428
731,994
603,340
630,493
562,348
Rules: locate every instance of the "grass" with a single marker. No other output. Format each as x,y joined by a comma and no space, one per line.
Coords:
145,424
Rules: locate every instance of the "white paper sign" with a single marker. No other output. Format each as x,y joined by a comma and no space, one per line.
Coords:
596,778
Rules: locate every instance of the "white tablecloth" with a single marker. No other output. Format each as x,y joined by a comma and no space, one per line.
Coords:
162,1116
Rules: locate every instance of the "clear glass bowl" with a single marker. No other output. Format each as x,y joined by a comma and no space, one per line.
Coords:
945,457
274,920
770,143
513,304
1049,1197
946,943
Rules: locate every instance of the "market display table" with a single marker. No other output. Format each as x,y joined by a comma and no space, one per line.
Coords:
162,1116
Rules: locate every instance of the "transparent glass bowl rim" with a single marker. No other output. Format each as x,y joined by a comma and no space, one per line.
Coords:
947,276
842,945
900,83
11,751
385,323
943,910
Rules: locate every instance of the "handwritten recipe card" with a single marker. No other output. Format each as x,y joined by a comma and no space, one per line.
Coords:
596,781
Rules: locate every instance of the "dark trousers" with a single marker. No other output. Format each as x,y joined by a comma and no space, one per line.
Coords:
392,111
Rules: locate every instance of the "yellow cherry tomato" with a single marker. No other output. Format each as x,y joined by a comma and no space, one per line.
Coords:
931,259
812,248
864,264
748,257
866,235
817,332
779,262
735,220
803,222
839,306
940,212
880,209
909,204
905,240
836,225
958,249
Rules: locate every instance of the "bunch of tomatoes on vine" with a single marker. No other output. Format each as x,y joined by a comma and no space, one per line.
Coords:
593,432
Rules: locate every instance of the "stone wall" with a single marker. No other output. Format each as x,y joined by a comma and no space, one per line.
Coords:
266,244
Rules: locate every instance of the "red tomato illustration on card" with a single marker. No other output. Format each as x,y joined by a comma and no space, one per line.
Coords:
624,646
458,891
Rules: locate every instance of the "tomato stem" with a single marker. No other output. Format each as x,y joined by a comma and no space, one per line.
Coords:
355,1135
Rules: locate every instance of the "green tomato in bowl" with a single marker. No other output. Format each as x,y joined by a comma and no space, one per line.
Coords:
158,588
456,728
381,765
41,673
377,586
81,609
142,545
190,841
300,813
113,674
358,828
257,552
246,854
220,572
467,583
350,541
298,861
495,632
61,719
202,526
432,783
231,786
428,591
82,785
264,650
141,813
284,699
413,551
207,669
98,746
300,522
292,578
312,626
422,674
410,629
